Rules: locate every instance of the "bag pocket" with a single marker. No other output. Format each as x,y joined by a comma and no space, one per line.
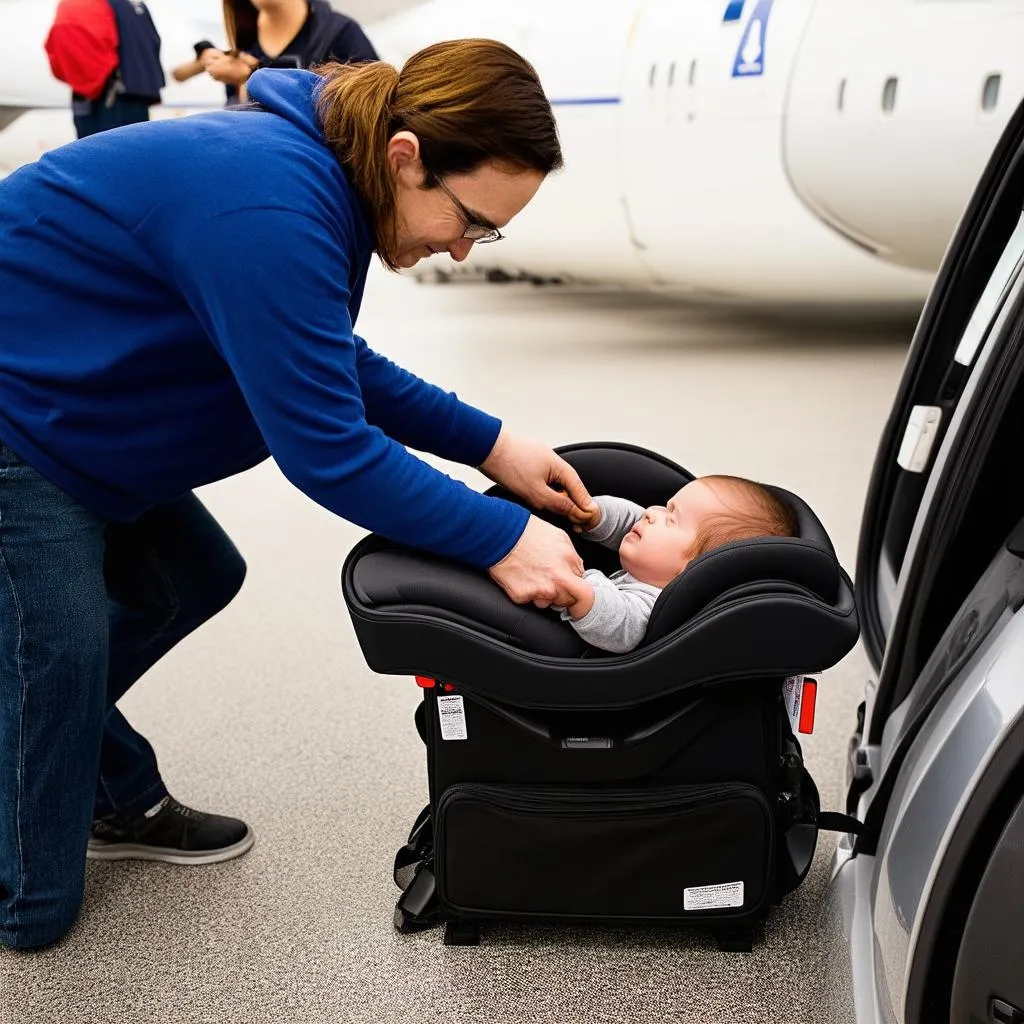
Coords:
672,854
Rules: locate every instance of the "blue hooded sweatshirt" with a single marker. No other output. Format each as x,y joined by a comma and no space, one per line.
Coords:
177,301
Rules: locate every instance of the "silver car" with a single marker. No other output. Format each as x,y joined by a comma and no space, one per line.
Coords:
929,901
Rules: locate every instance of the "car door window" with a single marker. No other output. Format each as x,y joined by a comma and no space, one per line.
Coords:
992,297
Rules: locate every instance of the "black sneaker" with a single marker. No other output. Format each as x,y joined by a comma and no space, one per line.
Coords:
173,833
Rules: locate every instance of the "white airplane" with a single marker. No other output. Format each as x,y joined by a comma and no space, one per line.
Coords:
765,150
786,150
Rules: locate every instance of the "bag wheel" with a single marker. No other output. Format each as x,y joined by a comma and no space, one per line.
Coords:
736,938
462,933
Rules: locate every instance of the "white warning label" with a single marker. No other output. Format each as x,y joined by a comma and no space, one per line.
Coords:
793,697
452,716
713,897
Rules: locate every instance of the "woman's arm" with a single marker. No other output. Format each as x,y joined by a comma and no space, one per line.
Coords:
183,72
281,322
430,419
422,415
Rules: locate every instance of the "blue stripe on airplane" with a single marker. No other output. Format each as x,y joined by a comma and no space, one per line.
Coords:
586,101
581,101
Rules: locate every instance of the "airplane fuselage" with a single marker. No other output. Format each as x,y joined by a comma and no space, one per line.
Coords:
766,150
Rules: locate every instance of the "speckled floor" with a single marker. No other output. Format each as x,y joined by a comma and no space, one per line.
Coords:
270,713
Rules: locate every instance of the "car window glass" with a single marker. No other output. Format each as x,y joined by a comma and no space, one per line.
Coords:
992,297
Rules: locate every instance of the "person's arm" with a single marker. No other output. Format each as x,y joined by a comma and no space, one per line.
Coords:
183,72
281,322
617,517
350,45
430,419
613,618
421,415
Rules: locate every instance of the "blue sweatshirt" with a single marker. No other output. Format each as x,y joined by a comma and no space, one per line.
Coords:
177,301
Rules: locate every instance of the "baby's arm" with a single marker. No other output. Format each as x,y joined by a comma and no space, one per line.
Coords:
610,617
618,517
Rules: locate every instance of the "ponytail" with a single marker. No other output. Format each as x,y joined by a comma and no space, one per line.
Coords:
355,112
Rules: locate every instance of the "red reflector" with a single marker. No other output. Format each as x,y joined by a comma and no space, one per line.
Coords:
426,682
448,687
810,695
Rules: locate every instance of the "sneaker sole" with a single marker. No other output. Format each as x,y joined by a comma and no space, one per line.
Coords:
100,850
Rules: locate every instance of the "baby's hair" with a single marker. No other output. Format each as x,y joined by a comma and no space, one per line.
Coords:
756,512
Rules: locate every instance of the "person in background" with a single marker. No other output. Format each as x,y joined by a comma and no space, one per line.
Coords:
277,33
108,51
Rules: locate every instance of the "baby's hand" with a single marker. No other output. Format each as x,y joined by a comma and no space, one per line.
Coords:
581,595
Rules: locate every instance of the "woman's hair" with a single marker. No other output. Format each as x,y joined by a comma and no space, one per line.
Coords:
240,25
754,512
468,101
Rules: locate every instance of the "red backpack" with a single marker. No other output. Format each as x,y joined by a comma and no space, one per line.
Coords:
82,45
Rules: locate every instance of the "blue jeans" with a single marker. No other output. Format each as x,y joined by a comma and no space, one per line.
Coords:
86,607
92,117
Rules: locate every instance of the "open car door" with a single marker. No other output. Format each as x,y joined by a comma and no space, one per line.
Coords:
933,891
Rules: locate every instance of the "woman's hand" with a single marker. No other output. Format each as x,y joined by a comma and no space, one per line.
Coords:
543,566
584,522
209,56
533,471
227,69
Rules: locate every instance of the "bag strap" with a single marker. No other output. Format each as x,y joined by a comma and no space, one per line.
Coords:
834,821
418,848
803,804
417,907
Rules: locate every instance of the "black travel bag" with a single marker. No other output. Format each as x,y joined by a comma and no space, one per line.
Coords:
661,786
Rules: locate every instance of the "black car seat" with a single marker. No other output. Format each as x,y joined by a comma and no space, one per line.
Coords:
661,785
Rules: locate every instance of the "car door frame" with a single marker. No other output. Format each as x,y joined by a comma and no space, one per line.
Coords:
931,377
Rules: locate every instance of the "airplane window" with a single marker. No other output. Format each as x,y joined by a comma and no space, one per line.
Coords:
650,77
841,97
992,297
671,74
693,72
889,95
990,92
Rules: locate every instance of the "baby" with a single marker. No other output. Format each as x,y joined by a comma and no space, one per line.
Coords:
656,544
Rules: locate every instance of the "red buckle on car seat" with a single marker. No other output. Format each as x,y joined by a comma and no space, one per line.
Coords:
428,684
810,696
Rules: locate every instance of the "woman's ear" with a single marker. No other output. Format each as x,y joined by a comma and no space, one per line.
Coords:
404,158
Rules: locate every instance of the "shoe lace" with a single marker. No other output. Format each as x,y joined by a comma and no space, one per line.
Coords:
182,811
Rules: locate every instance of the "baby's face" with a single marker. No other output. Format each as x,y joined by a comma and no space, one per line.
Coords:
661,544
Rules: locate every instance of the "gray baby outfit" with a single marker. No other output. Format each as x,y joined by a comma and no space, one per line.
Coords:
622,605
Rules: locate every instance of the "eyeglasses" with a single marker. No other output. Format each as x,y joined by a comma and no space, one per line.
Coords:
478,233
